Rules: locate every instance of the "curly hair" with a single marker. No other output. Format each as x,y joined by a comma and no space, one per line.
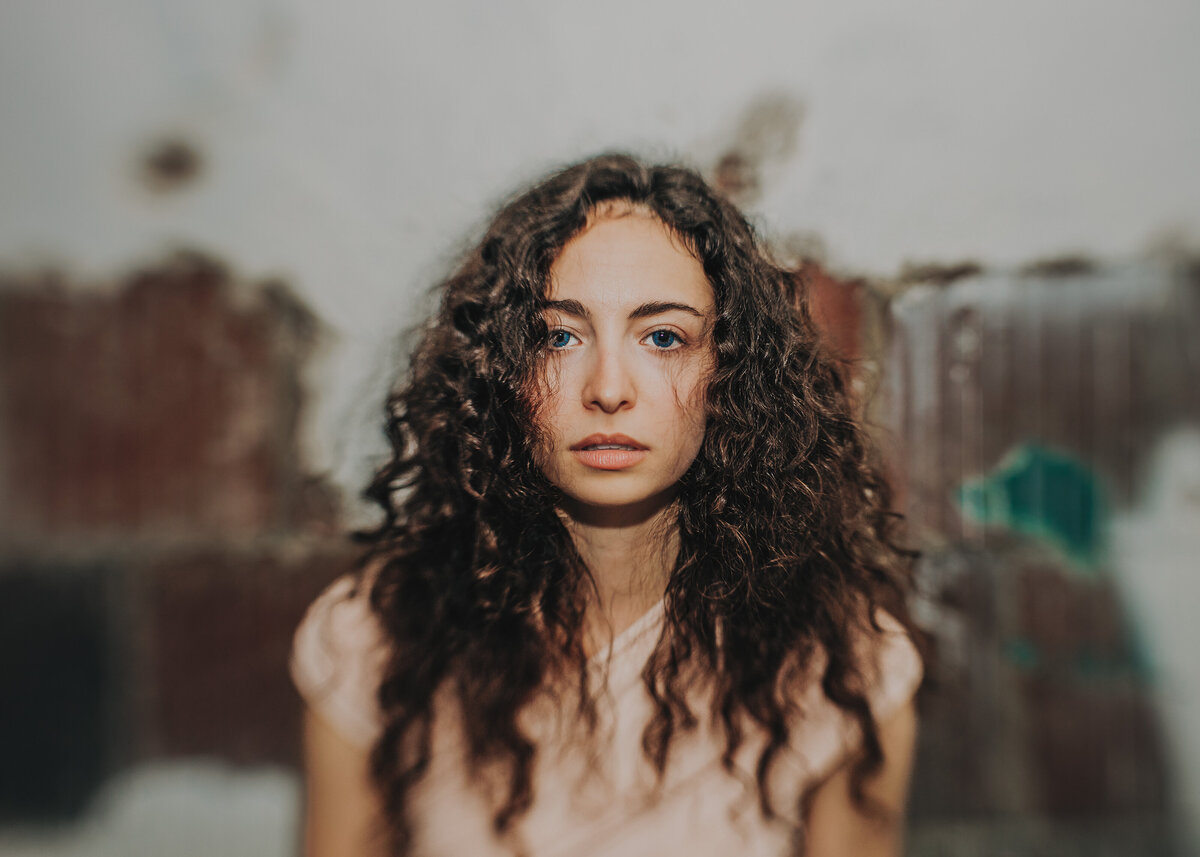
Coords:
787,544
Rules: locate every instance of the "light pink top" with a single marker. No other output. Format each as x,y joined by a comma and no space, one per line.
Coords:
595,799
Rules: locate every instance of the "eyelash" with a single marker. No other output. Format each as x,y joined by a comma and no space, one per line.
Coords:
678,339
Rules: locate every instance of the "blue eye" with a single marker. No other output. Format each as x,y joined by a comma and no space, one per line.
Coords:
664,339
560,338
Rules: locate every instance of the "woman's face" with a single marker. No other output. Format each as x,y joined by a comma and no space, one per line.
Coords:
630,312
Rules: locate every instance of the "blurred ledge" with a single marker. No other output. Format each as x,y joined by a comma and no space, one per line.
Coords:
185,808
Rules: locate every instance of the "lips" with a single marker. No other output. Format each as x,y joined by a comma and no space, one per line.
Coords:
609,451
608,441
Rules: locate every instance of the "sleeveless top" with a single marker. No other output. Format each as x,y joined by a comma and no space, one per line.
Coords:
598,797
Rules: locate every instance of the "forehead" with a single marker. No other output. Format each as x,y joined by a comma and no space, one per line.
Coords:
627,260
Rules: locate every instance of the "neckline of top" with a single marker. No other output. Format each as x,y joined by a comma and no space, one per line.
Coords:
636,630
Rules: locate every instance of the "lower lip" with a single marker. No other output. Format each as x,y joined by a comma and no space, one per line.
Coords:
609,459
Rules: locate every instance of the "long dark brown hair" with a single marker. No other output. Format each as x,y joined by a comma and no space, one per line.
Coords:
787,544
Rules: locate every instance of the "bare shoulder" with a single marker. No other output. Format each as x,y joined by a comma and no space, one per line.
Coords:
342,811
891,669
835,825
338,656
337,661
891,665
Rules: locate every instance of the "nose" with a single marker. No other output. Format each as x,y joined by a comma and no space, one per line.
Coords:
609,384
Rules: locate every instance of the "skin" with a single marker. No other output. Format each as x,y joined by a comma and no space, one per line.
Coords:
341,808
629,353
619,361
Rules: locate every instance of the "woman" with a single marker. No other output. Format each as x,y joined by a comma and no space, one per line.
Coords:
636,589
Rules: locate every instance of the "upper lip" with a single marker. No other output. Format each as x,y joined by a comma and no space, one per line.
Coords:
615,439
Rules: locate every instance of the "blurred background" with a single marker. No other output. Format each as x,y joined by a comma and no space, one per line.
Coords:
218,219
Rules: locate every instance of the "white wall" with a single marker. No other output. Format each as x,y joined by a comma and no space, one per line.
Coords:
351,146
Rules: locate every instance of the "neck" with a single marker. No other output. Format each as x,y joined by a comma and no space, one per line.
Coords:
630,551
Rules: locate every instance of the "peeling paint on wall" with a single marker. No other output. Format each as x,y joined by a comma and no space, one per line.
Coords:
165,405
764,137
1025,405
1045,494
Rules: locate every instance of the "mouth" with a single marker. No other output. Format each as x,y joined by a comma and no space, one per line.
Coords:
609,451
608,441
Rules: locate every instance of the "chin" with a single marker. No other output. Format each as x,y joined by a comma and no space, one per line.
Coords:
616,497
608,499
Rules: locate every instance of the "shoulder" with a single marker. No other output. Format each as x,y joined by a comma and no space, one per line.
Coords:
337,660
886,667
889,671
890,664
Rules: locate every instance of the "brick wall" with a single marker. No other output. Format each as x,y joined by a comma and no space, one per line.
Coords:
159,536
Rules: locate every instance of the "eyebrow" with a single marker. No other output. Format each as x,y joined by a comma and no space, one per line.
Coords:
570,306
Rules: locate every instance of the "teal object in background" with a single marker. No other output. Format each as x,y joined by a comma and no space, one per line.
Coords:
1046,494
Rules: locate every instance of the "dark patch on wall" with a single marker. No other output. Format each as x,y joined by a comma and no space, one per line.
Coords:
736,176
938,274
1077,655
1191,272
170,164
302,325
215,633
1061,266
964,739
765,134
59,705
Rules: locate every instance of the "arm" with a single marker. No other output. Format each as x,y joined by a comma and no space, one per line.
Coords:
341,808
836,828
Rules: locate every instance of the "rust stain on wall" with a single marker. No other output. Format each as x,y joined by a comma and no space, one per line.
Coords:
165,407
